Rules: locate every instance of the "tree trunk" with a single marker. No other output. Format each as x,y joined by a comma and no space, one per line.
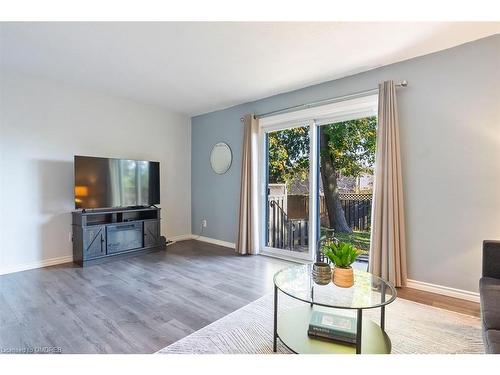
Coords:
336,215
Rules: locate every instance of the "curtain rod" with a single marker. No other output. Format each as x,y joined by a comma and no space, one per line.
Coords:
324,101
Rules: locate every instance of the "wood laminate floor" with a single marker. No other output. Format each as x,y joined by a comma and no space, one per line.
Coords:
134,305
438,300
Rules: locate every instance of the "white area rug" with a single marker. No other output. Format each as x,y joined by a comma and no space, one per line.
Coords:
413,328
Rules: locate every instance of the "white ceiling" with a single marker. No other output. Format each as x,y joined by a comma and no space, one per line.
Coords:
195,67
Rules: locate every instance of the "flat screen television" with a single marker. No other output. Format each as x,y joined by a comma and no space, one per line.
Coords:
105,182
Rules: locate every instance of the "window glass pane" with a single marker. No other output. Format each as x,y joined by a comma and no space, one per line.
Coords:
287,208
347,158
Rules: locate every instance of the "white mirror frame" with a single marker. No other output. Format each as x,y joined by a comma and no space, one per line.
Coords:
221,158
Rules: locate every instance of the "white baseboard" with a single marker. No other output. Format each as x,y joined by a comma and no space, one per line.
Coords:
38,264
215,241
443,290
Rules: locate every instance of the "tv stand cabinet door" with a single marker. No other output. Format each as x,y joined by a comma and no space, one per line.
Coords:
94,242
151,233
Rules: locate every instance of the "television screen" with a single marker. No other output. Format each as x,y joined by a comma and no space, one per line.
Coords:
104,182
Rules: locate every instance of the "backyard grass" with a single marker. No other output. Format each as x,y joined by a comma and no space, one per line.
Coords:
359,239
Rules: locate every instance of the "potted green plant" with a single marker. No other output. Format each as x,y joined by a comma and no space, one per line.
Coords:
342,255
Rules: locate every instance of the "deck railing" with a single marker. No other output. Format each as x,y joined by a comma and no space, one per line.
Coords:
283,232
287,233
279,226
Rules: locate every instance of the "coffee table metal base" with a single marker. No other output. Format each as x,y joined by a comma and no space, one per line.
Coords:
292,328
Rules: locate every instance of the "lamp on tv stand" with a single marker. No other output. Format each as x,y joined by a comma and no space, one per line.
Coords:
81,192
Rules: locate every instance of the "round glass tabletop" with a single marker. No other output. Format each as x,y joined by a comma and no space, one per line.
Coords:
368,291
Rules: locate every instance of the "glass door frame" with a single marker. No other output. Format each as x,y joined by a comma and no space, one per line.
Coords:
263,179
359,107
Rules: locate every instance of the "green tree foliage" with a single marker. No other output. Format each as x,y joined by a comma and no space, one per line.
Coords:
288,154
351,145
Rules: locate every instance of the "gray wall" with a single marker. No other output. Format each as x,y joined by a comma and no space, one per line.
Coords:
450,138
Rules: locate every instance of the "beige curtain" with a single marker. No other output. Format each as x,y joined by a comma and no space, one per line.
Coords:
248,238
388,242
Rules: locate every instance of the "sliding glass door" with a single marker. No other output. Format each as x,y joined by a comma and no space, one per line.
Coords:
317,177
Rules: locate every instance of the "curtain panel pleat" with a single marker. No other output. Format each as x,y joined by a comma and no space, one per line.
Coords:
388,239
248,238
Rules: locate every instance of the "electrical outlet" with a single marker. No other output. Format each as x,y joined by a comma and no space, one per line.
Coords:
70,237
204,223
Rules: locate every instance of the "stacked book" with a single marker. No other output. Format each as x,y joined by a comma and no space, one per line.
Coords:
332,327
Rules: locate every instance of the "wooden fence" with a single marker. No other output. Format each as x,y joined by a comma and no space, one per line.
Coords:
357,210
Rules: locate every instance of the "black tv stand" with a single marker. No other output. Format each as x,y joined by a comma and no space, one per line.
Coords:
104,233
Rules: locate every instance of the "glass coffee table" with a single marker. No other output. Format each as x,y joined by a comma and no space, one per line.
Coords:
368,292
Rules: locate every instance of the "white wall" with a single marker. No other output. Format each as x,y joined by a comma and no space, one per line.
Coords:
42,125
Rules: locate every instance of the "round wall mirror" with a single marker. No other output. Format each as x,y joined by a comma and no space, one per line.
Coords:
221,158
